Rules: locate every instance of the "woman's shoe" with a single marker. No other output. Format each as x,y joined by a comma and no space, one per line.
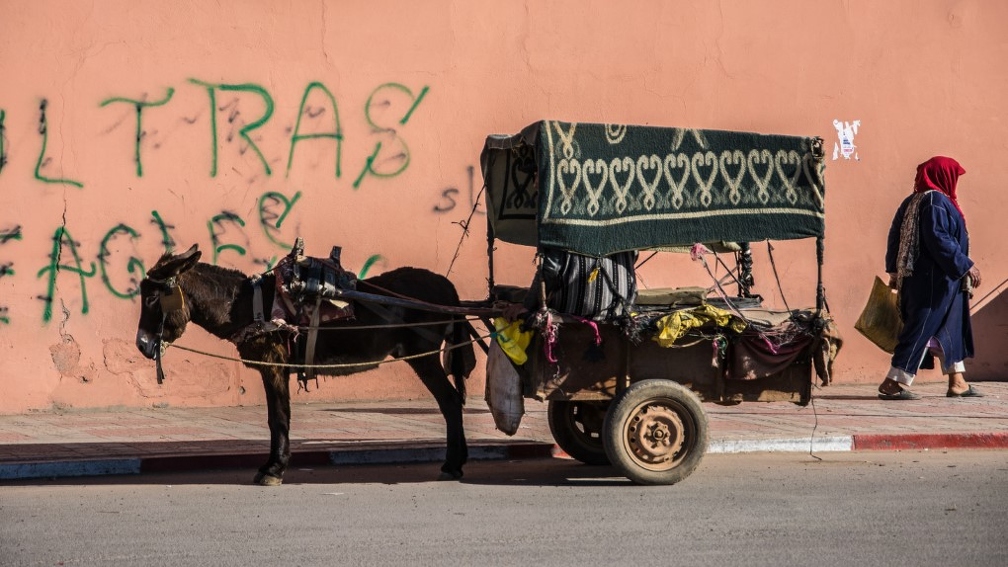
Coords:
901,395
970,392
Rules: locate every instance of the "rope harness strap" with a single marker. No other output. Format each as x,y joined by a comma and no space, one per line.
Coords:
171,299
335,366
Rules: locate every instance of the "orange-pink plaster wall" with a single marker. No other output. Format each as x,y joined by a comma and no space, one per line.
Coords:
416,87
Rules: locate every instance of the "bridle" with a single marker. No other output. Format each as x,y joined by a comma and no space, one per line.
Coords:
171,299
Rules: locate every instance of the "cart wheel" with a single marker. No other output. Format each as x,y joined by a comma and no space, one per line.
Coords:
655,432
577,429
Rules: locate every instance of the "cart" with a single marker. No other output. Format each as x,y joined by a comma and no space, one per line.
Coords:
615,394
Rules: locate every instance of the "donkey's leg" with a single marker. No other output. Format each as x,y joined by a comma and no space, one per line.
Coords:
449,401
277,386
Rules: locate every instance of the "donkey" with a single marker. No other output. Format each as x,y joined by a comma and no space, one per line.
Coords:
179,289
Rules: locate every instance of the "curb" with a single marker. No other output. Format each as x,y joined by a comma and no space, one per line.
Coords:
489,452
910,441
793,445
864,442
64,469
186,463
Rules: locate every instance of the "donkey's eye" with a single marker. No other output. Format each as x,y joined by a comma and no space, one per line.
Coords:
151,300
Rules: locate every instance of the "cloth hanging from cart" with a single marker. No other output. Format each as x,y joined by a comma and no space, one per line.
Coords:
597,189
753,357
826,348
675,325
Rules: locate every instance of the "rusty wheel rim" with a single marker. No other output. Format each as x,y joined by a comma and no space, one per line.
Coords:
656,433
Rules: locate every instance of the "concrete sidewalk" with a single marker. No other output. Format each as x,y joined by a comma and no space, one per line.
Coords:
133,441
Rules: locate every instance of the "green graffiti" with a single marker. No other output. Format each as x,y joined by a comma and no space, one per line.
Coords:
270,220
416,101
140,105
166,239
369,164
246,87
133,266
60,238
44,131
219,220
371,261
337,134
3,137
211,92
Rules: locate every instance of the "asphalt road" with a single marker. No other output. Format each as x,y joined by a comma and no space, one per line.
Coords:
886,508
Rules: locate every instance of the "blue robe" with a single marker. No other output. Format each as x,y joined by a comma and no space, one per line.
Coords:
932,300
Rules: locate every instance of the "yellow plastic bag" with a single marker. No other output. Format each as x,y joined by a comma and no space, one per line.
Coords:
880,321
512,340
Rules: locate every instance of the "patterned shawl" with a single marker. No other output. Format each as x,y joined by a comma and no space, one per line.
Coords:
936,174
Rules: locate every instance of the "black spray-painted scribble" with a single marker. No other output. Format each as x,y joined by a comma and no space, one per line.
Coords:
3,140
448,196
7,268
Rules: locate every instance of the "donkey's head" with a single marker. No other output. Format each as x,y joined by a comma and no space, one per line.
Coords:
164,311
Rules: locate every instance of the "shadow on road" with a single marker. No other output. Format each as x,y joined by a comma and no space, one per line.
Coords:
531,472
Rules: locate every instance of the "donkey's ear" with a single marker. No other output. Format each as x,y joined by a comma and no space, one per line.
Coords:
186,260
192,251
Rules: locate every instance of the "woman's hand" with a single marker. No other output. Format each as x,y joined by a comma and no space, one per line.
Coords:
974,276
892,281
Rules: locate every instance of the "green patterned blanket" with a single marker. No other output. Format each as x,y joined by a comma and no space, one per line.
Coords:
597,189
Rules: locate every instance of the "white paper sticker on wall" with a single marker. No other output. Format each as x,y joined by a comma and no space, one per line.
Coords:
844,146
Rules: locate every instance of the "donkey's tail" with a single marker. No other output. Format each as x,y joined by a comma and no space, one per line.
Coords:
461,357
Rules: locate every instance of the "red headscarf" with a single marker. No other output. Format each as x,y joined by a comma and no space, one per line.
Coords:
940,174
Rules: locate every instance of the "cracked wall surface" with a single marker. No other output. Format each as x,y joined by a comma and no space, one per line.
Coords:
128,128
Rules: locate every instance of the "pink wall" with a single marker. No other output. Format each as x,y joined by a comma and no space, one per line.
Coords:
428,81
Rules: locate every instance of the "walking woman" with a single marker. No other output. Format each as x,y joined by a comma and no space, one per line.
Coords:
928,262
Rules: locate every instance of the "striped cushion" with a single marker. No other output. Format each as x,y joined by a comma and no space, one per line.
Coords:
595,288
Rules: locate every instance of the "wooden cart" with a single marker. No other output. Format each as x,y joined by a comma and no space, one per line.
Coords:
617,396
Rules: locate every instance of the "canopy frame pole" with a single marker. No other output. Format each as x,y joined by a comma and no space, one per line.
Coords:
820,290
491,238
744,264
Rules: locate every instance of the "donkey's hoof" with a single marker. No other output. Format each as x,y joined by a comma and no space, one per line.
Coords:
445,475
263,479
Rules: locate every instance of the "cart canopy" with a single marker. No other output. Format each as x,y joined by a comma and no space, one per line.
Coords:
597,189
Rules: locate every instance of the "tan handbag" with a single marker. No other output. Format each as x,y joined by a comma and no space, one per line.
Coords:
880,321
